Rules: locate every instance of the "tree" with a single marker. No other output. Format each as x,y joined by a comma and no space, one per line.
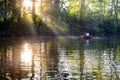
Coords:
33,12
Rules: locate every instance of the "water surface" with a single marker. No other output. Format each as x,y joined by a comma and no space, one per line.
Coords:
61,58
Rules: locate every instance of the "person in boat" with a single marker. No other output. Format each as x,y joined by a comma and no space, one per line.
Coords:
87,36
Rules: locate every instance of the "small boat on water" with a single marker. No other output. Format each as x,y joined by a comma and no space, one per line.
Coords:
87,36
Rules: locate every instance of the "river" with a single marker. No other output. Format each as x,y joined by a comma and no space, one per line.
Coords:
59,58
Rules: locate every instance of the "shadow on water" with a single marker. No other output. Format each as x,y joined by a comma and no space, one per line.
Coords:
61,58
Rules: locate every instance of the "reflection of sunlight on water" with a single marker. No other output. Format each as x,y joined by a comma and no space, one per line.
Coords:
87,42
38,60
63,61
91,61
42,47
26,56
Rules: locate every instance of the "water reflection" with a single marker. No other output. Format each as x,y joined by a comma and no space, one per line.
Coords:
64,58
26,56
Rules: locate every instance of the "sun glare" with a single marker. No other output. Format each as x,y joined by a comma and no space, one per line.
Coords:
27,4
26,56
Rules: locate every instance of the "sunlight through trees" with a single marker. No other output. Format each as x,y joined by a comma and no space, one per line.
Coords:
67,16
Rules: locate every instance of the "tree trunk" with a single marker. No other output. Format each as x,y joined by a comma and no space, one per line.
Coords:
19,11
5,12
82,9
41,6
116,13
33,11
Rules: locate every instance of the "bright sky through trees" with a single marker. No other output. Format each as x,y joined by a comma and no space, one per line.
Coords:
27,6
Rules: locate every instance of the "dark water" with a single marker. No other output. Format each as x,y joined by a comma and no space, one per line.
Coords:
61,58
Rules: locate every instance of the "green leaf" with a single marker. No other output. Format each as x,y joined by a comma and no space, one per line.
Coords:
1,19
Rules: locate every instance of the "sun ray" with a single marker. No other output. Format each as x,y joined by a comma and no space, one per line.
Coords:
27,4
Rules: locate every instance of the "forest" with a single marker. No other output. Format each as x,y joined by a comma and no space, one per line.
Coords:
59,17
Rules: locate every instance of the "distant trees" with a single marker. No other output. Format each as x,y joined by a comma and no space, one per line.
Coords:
77,16
100,15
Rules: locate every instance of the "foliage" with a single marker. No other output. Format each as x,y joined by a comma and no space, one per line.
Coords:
102,14
99,17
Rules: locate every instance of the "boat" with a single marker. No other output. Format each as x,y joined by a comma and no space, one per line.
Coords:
87,36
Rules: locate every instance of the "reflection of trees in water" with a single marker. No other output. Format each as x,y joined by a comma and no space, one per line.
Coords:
110,60
101,56
66,58
11,65
63,65
113,63
82,60
8,62
71,59
48,60
3,63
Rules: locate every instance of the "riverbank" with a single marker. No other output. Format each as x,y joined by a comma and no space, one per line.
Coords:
9,29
